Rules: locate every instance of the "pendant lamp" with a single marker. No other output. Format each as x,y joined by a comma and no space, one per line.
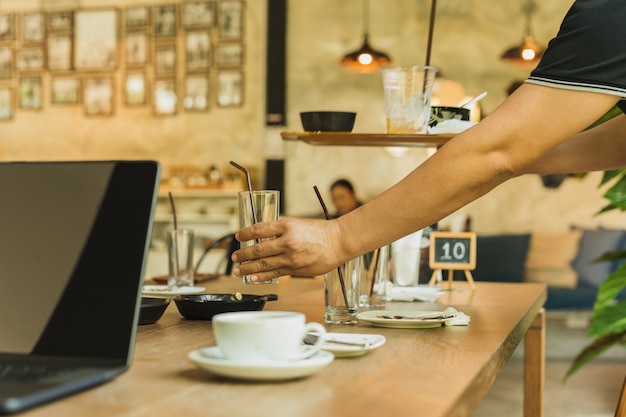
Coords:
528,53
366,59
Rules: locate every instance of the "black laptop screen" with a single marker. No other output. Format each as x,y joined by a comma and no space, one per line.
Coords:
73,241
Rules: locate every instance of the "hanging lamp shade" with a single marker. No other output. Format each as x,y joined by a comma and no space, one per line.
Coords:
528,53
365,59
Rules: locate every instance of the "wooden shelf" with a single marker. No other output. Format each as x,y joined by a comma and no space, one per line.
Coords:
367,139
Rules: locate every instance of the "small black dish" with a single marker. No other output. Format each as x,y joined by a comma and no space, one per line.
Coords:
327,121
152,309
205,306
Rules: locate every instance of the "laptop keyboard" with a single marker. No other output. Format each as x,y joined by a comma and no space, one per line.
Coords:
26,372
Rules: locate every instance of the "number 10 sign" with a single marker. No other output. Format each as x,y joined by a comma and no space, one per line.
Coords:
453,252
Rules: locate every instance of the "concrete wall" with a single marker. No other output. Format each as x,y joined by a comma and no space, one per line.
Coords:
469,37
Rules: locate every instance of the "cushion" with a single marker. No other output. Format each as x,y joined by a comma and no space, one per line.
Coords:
550,259
593,244
501,258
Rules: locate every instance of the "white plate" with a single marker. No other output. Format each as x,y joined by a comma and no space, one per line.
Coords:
213,360
410,319
163,291
368,341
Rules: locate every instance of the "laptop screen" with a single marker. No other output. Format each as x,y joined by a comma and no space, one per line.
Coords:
73,243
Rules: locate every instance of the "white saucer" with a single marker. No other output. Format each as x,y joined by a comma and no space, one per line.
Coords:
213,360
164,291
367,341
409,320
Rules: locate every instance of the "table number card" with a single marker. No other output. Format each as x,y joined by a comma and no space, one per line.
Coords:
453,252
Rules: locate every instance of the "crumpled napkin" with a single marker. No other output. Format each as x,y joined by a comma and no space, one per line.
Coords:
419,293
451,126
460,318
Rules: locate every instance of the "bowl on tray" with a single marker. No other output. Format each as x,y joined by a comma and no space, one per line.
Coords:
327,121
205,306
151,309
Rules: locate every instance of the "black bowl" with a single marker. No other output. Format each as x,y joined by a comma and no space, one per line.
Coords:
205,306
327,121
152,309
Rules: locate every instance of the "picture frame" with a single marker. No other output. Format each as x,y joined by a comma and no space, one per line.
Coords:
165,97
137,18
198,14
61,21
6,103
197,50
30,93
59,52
95,39
196,93
65,90
137,49
229,88
135,89
30,59
6,62
230,19
33,27
229,54
7,26
98,94
165,21
165,59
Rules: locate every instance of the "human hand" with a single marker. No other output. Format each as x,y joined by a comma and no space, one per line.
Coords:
300,247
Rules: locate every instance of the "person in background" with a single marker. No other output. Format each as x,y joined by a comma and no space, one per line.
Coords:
344,197
546,126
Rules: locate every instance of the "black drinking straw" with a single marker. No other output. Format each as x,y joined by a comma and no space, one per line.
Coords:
431,26
175,237
245,171
341,281
374,270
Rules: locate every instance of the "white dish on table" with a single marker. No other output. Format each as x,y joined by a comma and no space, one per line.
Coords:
403,319
212,359
344,345
164,291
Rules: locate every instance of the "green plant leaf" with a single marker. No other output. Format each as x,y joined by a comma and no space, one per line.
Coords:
612,256
609,175
609,319
617,194
610,288
595,348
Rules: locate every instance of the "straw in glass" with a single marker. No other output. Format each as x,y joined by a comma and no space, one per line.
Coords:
176,258
245,171
341,281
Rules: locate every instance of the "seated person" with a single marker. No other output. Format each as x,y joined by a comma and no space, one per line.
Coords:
344,197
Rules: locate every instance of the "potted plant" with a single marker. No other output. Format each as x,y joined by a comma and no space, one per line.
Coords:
608,325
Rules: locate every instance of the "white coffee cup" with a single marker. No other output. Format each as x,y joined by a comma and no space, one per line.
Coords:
265,335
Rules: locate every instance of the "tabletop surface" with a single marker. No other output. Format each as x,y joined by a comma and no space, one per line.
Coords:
446,371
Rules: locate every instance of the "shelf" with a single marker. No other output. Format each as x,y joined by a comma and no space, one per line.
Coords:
367,139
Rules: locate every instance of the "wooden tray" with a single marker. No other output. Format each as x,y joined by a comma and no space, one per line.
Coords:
367,139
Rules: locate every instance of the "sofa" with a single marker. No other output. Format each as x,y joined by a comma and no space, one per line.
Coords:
564,261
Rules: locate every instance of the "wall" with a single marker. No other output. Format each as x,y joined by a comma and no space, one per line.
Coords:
469,37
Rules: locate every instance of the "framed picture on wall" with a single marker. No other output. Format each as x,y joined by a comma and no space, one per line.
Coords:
229,88
98,96
137,49
60,21
95,40
135,89
197,50
7,27
165,21
165,97
165,59
59,52
230,19
198,14
30,93
137,18
196,92
33,27
29,59
6,62
6,103
65,90
229,54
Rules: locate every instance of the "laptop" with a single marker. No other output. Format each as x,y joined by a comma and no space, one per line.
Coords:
74,239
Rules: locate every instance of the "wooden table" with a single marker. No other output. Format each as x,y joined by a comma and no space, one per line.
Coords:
444,371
